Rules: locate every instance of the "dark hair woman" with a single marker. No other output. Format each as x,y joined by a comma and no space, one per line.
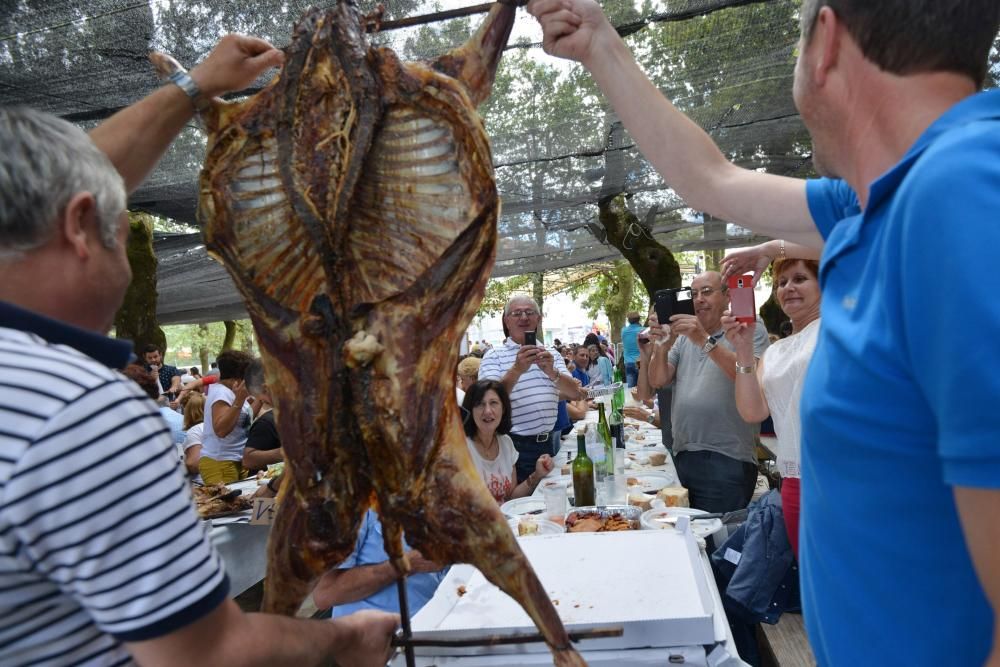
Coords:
487,423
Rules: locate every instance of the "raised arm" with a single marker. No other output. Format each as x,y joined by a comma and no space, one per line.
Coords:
682,152
136,137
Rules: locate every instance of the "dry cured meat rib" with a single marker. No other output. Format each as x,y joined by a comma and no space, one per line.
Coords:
353,202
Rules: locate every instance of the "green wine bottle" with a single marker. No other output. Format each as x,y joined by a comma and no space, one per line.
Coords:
604,431
583,475
618,401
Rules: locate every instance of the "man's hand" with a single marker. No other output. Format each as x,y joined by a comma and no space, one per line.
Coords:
546,362
419,564
688,325
635,412
527,355
571,28
234,63
367,640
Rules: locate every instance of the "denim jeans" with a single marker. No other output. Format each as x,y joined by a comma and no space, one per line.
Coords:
716,482
528,450
631,373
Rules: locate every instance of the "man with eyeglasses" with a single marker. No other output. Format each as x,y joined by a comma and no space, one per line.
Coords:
534,376
713,447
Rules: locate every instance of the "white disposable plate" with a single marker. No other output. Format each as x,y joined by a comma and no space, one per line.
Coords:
660,518
246,486
650,482
545,527
519,506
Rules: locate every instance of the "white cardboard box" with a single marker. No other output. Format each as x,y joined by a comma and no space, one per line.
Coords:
651,583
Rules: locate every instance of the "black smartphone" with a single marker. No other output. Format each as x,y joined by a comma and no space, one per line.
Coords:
685,302
530,338
663,304
673,301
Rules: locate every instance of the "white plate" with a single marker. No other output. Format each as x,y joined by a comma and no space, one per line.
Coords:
545,527
650,482
520,506
659,519
246,486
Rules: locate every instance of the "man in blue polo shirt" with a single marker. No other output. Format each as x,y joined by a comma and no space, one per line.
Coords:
901,435
367,580
630,347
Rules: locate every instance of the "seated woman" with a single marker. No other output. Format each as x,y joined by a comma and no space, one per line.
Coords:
601,370
468,372
487,422
774,387
194,427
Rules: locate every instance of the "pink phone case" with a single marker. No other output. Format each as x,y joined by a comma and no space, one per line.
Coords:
741,301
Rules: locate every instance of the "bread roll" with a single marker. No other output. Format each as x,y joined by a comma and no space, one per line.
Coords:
674,496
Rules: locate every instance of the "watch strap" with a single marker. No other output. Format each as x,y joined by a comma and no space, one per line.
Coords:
183,80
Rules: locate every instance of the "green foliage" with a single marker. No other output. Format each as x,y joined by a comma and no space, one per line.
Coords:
198,344
614,289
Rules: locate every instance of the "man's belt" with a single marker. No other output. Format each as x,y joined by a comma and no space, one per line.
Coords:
541,437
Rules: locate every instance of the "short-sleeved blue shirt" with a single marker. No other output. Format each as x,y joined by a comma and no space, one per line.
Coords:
900,402
630,342
370,550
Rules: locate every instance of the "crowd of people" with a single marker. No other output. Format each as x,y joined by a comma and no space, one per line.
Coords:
892,422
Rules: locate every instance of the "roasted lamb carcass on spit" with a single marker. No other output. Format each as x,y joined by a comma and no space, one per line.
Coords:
353,202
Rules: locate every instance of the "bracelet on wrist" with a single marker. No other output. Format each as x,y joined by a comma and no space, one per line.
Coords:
746,370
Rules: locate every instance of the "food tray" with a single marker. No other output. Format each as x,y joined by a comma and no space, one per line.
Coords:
629,513
663,603
603,390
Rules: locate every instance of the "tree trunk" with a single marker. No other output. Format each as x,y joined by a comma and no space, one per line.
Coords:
537,289
136,319
230,338
652,262
616,306
203,347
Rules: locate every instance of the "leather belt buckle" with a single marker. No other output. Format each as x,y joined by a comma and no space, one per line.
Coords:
543,437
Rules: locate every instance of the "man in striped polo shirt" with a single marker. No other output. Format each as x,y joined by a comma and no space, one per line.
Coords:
103,560
534,376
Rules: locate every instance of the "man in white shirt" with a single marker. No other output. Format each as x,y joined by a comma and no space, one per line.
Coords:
534,376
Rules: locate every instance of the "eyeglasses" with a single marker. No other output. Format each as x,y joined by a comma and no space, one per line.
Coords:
518,314
704,291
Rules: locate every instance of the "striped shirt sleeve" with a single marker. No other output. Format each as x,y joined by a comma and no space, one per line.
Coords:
97,508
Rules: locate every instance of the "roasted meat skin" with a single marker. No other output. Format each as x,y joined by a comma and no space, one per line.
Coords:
353,202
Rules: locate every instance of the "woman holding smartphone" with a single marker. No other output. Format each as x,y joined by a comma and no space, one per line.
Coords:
773,386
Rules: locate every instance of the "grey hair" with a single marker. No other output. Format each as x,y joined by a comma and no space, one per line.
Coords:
253,376
520,297
44,162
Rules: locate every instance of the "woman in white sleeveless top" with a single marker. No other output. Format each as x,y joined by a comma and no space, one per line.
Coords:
487,423
775,386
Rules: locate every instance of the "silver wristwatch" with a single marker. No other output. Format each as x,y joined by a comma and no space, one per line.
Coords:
184,81
709,344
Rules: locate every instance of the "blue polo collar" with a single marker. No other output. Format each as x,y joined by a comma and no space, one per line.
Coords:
111,352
